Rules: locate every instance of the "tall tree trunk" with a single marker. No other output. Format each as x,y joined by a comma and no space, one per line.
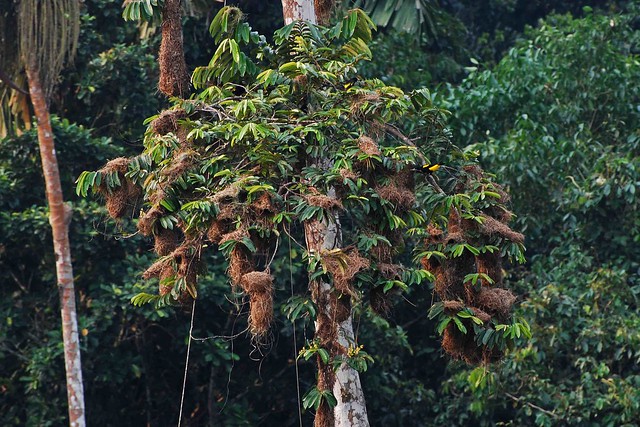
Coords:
59,218
334,334
334,331
298,10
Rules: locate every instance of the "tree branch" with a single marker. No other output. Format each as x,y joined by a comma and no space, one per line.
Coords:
5,78
536,407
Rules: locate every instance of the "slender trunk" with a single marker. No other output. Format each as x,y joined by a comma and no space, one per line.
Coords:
298,10
59,218
334,334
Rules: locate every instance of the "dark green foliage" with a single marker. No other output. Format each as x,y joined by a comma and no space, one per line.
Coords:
131,355
571,165
558,119
492,29
565,146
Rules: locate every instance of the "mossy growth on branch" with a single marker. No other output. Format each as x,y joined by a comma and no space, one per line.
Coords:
274,136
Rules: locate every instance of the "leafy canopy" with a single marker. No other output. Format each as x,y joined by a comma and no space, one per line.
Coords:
286,133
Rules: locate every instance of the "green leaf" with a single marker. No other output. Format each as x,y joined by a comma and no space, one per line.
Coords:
324,355
443,324
460,326
435,310
143,298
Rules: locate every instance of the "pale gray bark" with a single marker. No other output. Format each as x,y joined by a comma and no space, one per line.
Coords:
59,218
351,408
298,10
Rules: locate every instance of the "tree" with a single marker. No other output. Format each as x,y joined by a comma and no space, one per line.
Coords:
286,138
568,149
46,38
322,236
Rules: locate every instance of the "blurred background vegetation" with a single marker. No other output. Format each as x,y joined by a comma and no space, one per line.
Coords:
545,92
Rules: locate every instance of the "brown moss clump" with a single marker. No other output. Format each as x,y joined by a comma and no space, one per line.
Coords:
263,203
240,263
123,199
257,282
449,274
361,99
261,313
390,271
495,300
187,257
228,212
262,207
481,314
216,230
237,235
453,306
167,280
227,195
435,234
119,165
148,219
166,241
174,79
348,174
379,301
180,164
492,227
323,201
454,222
491,265
475,171
502,214
405,178
368,146
382,252
401,197
461,346
155,269
300,83
167,121
343,267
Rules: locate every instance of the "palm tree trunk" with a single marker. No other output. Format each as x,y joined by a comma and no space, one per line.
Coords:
59,218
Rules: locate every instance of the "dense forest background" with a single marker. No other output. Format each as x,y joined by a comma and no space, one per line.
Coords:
545,92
